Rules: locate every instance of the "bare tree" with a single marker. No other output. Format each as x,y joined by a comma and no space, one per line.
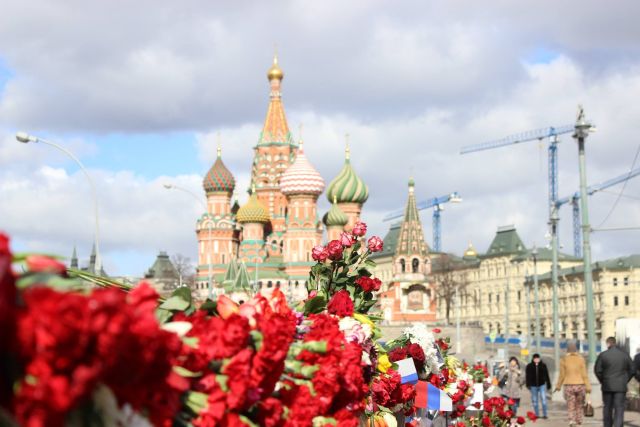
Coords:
449,275
185,269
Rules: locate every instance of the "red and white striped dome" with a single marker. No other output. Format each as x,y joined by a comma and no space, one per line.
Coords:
301,177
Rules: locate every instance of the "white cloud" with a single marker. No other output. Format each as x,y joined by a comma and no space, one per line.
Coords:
411,85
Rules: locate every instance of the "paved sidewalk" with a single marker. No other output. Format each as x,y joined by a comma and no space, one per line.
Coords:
557,412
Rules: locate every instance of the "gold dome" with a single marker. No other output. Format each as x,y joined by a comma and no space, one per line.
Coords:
253,211
275,72
470,252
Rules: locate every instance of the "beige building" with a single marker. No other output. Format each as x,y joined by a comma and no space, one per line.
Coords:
496,280
616,293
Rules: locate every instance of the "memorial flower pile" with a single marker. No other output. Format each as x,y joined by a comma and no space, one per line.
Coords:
72,354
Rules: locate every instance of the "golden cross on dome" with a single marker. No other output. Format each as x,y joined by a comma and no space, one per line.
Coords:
347,150
219,145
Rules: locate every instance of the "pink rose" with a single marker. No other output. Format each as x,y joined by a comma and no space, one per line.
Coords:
319,253
334,250
359,229
347,240
375,244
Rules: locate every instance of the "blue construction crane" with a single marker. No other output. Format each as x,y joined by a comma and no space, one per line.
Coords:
575,198
533,135
435,203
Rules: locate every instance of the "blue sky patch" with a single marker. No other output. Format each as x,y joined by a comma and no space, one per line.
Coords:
148,155
541,55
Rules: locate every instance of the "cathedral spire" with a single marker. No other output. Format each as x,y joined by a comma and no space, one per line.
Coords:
275,130
411,241
74,258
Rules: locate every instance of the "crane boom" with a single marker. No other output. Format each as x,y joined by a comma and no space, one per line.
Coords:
517,138
435,203
425,204
575,197
602,186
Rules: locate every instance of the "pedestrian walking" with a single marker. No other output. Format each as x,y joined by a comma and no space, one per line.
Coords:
511,382
538,382
614,369
573,376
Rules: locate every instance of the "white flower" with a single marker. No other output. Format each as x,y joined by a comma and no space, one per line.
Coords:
355,331
421,335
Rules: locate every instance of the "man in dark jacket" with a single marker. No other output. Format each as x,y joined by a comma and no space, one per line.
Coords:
614,370
636,364
536,379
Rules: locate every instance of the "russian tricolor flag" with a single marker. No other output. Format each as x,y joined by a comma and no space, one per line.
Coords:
407,371
431,397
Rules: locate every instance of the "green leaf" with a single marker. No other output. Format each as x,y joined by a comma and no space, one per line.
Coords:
185,372
210,307
175,303
370,263
180,300
257,339
163,315
315,304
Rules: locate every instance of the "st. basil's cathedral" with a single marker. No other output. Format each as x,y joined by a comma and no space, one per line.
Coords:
268,240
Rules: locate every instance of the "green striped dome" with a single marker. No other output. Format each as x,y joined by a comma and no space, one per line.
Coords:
335,216
347,187
253,211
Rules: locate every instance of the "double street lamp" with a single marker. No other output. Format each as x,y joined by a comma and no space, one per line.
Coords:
25,138
204,206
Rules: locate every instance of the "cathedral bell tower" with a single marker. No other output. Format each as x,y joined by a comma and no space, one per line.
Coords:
273,154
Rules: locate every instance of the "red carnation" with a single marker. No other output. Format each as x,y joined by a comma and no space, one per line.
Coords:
375,244
521,420
532,416
340,304
319,253
436,330
486,421
397,354
334,250
347,240
359,229
369,284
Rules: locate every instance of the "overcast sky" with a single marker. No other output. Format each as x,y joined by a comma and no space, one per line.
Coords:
139,90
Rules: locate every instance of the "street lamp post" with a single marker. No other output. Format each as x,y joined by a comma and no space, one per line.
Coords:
536,300
527,291
458,339
195,196
581,133
26,138
506,315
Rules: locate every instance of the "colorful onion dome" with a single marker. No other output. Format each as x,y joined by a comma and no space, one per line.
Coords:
335,217
218,178
347,187
301,177
275,72
253,211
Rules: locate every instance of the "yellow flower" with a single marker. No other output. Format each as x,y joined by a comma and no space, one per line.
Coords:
383,363
363,319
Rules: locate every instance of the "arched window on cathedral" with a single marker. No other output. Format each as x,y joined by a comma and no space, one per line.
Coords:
415,265
402,266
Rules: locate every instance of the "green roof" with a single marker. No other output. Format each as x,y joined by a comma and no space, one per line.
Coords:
506,242
241,281
620,263
390,242
545,254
